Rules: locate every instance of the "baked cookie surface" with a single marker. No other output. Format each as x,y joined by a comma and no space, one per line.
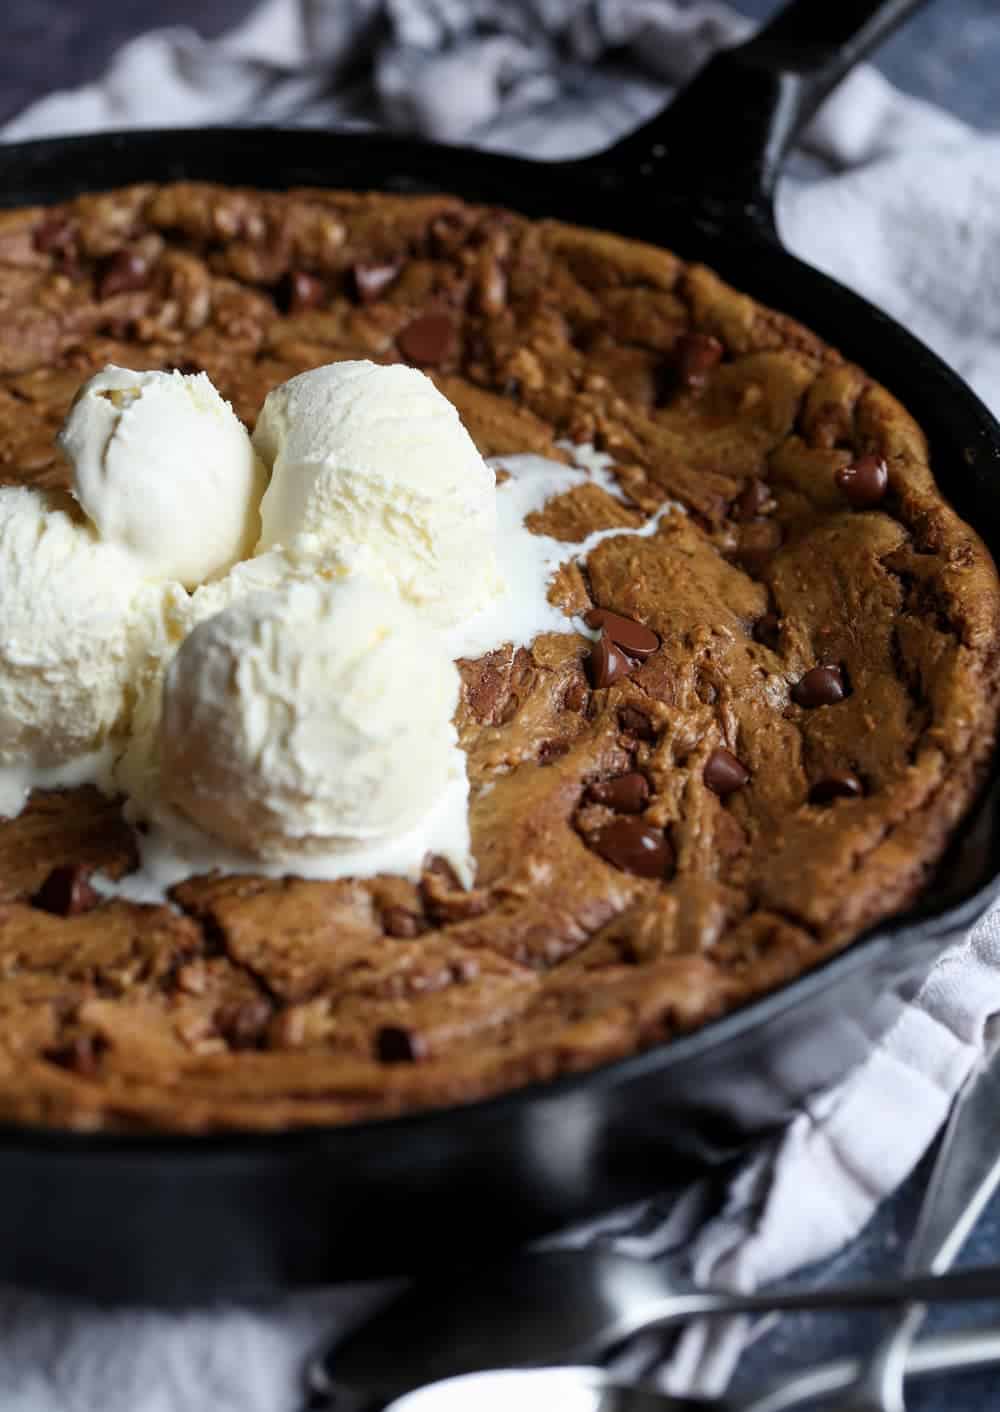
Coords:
660,835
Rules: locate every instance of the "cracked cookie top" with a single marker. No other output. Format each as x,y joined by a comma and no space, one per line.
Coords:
790,703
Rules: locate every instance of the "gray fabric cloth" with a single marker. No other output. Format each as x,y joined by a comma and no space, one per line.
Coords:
907,211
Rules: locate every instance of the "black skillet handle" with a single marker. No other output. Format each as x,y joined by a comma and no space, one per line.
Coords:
721,141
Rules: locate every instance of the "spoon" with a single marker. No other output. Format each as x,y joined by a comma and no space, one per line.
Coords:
574,1305
547,1390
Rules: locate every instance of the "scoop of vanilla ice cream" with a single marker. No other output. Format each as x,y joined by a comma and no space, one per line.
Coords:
78,630
373,472
137,769
165,469
314,719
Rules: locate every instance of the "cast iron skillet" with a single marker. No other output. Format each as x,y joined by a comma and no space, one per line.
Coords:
184,1219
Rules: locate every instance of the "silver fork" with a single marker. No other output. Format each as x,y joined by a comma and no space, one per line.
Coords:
965,1175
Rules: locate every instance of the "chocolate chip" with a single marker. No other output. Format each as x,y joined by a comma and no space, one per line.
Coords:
607,662
428,340
696,354
302,291
636,723
438,867
768,630
634,847
632,637
54,234
67,891
242,1022
551,750
395,1045
626,794
121,273
841,784
398,922
864,482
753,501
723,773
758,542
82,1054
121,330
822,686
371,281
58,237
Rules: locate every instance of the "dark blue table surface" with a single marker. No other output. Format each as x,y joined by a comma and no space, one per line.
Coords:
949,54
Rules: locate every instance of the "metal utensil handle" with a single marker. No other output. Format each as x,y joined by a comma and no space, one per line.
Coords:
722,140
955,1287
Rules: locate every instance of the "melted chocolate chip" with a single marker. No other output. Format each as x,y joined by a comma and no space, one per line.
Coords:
400,923
607,662
840,784
754,500
696,355
396,1045
822,686
121,273
632,637
768,630
439,867
428,340
636,723
371,281
303,291
626,794
82,1054
67,891
119,329
723,773
864,482
56,233
243,1022
758,542
634,847
57,237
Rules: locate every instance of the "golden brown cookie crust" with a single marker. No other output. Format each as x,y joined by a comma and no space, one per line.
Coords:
781,827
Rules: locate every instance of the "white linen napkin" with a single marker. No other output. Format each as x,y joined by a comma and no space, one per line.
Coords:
907,212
